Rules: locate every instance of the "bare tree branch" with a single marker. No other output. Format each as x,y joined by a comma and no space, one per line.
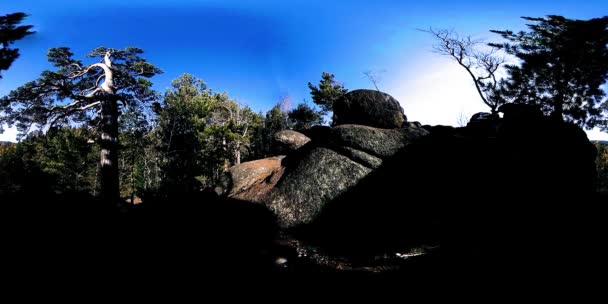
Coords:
481,66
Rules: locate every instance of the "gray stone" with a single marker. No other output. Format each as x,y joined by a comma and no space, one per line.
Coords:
361,157
320,176
369,108
382,143
288,140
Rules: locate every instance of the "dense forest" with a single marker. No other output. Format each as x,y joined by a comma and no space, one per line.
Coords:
93,131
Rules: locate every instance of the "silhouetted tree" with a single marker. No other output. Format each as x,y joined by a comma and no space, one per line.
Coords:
77,93
9,33
326,93
564,63
304,117
481,65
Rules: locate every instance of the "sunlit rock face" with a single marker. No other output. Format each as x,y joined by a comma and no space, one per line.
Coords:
288,140
369,108
251,181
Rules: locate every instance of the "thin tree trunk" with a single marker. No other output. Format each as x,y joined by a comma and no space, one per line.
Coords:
237,154
132,181
109,151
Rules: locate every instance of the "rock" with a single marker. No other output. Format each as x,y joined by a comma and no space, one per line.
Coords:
251,181
369,108
413,124
377,142
288,140
361,157
320,176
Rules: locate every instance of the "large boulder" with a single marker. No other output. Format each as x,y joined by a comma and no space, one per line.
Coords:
369,108
251,181
317,178
289,140
382,143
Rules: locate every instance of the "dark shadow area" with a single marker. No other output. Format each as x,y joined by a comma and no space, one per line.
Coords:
194,235
496,197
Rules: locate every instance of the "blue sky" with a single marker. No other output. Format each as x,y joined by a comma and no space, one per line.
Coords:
261,50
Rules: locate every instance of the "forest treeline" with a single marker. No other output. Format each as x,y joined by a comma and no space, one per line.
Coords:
181,144
100,128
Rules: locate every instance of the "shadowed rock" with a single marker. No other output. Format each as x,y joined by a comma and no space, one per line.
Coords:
361,157
320,176
378,142
369,108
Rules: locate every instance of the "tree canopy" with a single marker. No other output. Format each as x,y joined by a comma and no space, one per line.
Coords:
304,117
327,92
75,93
11,31
564,63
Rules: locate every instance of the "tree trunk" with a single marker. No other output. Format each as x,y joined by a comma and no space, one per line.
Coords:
237,154
109,151
132,177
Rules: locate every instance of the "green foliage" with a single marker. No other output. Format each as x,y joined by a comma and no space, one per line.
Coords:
200,134
62,161
564,63
9,33
238,125
326,93
274,121
181,121
602,166
304,117
65,96
76,94
137,161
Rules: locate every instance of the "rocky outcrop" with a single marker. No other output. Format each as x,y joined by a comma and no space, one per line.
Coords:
297,188
288,140
369,108
367,189
361,157
378,142
323,163
320,176
251,181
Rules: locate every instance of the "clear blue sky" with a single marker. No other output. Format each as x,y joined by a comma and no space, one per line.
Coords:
261,50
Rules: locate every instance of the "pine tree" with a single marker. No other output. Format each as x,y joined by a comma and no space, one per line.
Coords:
84,94
564,63
9,33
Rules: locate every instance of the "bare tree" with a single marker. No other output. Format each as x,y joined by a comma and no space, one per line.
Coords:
286,104
374,76
239,120
481,65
